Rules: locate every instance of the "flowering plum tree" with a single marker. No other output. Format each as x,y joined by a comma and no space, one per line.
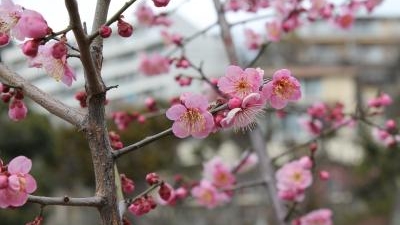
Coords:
241,96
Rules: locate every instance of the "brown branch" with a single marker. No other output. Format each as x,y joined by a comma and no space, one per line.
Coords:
66,201
114,18
267,171
92,75
259,54
144,142
52,105
144,193
226,33
242,161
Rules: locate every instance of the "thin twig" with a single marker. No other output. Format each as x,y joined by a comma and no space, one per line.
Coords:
114,18
52,105
66,201
250,20
144,193
259,54
144,142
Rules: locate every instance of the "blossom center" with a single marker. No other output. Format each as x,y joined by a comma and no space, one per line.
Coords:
242,86
207,196
283,88
297,177
193,120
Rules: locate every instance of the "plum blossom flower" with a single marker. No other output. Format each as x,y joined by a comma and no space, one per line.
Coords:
17,110
31,24
253,40
218,173
145,15
58,68
239,83
9,16
317,217
191,117
282,89
246,113
345,19
207,195
292,179
19,183
312,126
274,30
154,64
382,100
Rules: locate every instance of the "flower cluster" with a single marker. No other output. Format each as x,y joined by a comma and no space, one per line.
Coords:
146,16
15,182
153,64
21,23
124,119
293,178
14,97
128,186
290,15
389,135
322,116
245,96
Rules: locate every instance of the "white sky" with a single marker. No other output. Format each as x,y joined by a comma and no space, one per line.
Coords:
196,11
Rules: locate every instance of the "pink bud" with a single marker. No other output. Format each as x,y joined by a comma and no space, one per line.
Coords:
160,3
391,125
59,50
30,48
4,39
17,110
165,192
152,178
150,103
6,98
105,31
313,147
141,119
124,28
306,162
324,175
234,103
181,193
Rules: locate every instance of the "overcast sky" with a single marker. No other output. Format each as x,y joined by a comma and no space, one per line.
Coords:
199,12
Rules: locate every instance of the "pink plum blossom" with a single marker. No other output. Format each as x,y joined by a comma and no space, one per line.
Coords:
153,64
274,30
282,89
207,195
382,100
59,68
145,15
253,40
317,217
191,117
161,3
218,173
292,179
17,110
317,110
9,16
246,113
19,183
312,126
239,83
31,25
345,20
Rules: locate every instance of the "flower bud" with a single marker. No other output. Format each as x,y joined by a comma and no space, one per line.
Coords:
30,48
105,31
59,50
152,178
124,28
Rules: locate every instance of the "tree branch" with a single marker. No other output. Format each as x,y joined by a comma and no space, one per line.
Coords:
66,201
114,18
141,143
92,75
69,114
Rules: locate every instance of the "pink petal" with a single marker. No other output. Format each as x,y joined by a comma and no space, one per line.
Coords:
233,71
16,198
175,111
251,99
20,164
196,101
254,77
30,185
267,90
279,74
277,102
179,130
